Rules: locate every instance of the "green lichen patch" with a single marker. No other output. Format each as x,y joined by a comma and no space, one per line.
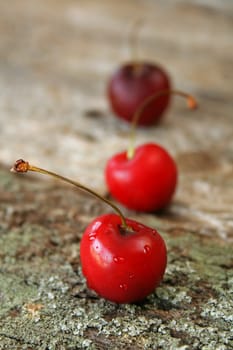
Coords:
45,303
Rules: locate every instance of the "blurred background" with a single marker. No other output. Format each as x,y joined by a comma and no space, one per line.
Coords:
56,57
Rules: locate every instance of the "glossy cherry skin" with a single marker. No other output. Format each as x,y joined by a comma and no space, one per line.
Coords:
129,87
146,182
120,266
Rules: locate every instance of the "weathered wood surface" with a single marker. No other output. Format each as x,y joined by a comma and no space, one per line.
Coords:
55,58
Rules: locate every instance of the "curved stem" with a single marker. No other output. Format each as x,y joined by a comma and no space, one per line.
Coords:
22,166
192,104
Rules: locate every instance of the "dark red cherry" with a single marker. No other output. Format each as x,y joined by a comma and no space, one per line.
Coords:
131,84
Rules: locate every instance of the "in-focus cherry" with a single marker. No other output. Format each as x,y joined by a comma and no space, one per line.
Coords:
120,265
122,259
131,84
145,178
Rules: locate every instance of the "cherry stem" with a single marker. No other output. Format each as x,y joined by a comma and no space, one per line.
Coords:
191,101
22,166
134,43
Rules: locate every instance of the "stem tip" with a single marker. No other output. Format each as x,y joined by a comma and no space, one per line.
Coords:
192,103
20,166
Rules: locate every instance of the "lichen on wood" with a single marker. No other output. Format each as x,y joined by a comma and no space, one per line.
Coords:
45,303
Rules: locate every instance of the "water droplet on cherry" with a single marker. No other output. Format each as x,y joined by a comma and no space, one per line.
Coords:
92,236
147,249
131,276
118,259
123,286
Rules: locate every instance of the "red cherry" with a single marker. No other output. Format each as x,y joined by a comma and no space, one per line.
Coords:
122,266
131,84
122,260
146,182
